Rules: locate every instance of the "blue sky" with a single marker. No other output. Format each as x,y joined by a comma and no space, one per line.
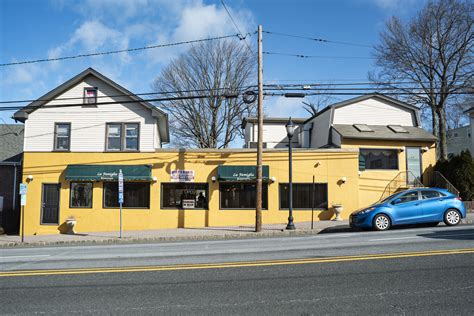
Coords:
35,29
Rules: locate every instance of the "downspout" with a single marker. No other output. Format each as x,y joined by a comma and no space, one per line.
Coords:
14,188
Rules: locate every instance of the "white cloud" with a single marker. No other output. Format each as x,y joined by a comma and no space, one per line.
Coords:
21,74
90,37
109,25
197,20
397,6
284,107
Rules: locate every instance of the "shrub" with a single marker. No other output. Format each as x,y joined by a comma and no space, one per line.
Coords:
459,170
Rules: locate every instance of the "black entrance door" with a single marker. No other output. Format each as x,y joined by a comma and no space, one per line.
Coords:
50,204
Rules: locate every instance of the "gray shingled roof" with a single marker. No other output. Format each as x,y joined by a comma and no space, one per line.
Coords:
382,132
11,142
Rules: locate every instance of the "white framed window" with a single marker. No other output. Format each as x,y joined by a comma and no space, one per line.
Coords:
122,136
62,136
90,95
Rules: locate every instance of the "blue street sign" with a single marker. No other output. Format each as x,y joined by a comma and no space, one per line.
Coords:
23,188
120,187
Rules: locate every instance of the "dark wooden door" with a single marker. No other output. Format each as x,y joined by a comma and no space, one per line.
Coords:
50,204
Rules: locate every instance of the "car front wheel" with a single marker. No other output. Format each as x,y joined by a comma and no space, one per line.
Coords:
452,217
381,222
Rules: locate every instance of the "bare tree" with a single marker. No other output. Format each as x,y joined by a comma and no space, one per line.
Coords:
434,51
211,69
315,104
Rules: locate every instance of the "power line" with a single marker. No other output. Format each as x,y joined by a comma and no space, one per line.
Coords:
356,94
119,51
374,83
236,27
314,56
346,89
228,96
129,95
234,95
322,40
360,86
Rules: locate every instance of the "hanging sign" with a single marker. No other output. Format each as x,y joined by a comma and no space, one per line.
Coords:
182,175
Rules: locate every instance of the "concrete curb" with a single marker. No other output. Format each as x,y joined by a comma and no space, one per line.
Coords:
145,240
161,239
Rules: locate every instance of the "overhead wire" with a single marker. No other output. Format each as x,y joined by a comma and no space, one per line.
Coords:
316,56
315,39
119,51
130,94
231,95
244,38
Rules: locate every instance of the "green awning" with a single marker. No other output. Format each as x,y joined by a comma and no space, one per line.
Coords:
241,173
108,172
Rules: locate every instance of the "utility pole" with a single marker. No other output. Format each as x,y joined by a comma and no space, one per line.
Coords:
258,208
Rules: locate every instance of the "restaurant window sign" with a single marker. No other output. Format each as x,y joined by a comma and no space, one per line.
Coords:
182,175
241,173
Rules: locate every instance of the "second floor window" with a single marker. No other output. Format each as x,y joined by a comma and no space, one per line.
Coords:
122,136
62,136
90,95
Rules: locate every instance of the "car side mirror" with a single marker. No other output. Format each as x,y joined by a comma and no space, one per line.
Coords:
396,201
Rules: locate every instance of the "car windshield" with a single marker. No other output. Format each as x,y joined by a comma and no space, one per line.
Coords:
388,198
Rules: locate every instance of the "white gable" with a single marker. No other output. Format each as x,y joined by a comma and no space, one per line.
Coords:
374,111
88,123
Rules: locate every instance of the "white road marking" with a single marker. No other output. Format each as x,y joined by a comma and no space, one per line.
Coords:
421,236
395,238
33,256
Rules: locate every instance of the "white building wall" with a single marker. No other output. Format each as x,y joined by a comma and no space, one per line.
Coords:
459,139
88,123
374,112
472,133
320,132
273,134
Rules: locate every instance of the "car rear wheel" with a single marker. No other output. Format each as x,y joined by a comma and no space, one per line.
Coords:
452,217
381,222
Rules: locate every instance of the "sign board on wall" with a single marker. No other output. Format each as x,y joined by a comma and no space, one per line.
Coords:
188,203
182,175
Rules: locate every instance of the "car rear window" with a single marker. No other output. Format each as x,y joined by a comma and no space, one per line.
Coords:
430,194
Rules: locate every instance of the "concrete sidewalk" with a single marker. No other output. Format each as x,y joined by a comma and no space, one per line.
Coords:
179,234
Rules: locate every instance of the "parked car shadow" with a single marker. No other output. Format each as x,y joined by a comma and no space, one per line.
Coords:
461,234
340,229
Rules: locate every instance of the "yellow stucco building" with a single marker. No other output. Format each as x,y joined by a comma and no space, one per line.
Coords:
76,144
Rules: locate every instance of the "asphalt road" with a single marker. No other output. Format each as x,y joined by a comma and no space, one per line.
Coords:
404,271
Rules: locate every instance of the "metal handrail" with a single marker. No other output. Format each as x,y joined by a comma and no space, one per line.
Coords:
401,179
440,181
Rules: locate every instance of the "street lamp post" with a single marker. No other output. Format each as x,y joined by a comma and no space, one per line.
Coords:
290,130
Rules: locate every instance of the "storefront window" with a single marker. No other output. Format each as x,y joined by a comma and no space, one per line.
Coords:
184,195
302,196
378,159
241,195
135,194
81,195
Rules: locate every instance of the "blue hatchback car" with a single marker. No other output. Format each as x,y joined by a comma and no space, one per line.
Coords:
414,206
